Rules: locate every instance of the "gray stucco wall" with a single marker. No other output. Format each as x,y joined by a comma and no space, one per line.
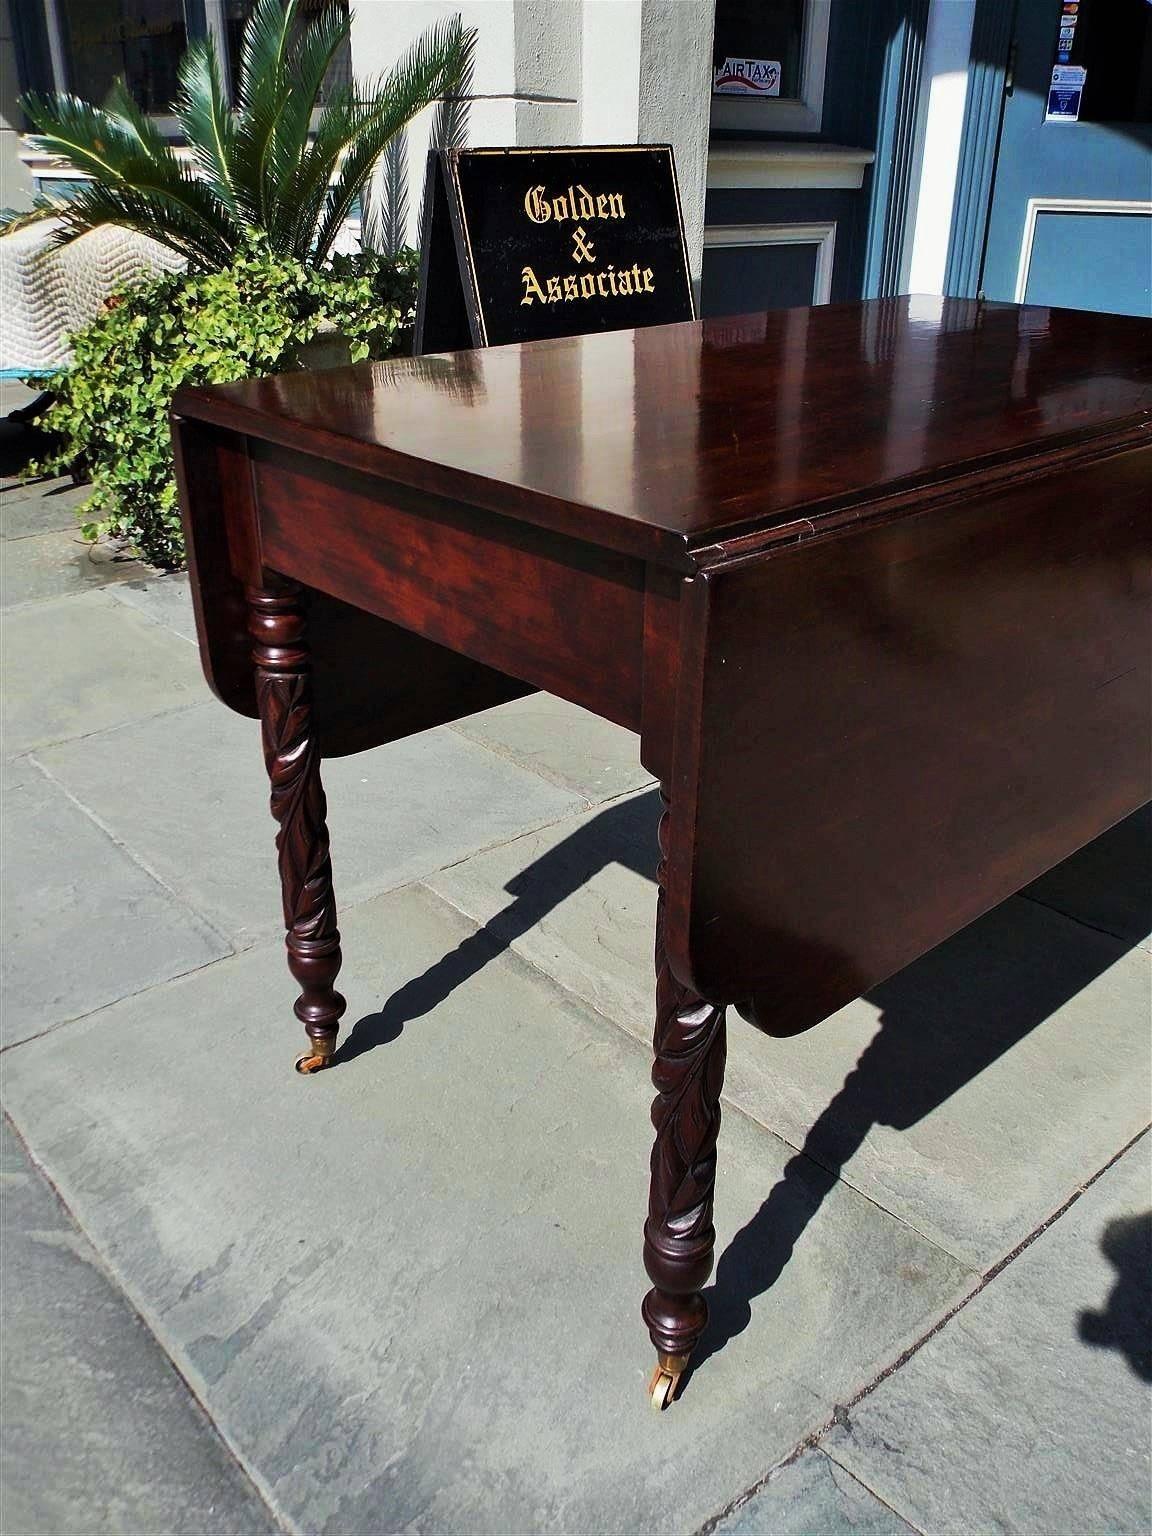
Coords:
568,72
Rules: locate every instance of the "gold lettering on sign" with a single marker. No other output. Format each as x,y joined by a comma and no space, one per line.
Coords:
533,293
564,288
582,248
576,205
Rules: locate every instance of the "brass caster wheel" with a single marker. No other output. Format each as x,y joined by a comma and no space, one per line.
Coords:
665,1381
315,1059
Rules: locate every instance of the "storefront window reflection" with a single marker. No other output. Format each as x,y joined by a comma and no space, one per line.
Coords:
140,40
758,34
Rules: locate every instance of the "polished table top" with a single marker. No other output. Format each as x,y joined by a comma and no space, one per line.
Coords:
663,442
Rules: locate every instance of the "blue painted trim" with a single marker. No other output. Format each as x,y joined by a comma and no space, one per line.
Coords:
895,147
26,373
992,29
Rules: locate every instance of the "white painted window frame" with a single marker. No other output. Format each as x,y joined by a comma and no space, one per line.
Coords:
822,236
1039,205
786,114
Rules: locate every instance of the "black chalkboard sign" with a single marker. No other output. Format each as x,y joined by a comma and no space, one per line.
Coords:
521,244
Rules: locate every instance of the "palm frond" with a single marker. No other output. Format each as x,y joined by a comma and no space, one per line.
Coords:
264,49
14,219
202,111
262,98
385,226
309,58
95,141
418,79
450,121
151,141
334,133
153,211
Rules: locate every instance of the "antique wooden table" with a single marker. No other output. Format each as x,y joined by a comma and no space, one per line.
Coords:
871,582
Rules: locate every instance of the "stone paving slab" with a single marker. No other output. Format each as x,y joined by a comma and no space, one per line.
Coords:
1108,884
198,812
813,1496
100,1434
1028,1413
14,393
84,663
41,507
48,565
967,1095
563,742
408,1289
84,925
578,900
166,599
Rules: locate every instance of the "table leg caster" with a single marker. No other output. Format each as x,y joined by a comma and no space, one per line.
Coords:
316,1057
665,1380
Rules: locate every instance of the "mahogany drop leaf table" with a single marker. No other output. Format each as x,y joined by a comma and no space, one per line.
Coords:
870,582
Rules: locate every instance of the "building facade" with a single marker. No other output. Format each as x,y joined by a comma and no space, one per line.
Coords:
826,149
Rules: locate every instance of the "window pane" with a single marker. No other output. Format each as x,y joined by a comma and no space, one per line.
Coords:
141,40
742,279
237,12
752,33
1113,41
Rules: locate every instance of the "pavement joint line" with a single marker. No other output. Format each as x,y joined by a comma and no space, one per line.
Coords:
919,1530
1082,923
114,1002
105,1268
579,809
116,590
106,730
507,754
134,857
840,1414
543,826
28,603
807,1444
37,533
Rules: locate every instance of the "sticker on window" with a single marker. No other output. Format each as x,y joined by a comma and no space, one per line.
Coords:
1064,93
747,77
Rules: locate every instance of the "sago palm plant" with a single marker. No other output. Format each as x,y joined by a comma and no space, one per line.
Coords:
261,170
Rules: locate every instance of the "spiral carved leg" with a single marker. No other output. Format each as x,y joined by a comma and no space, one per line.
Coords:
688,1074
281,658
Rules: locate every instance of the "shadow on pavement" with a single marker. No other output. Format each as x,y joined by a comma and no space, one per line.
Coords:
1125,1324
944,1019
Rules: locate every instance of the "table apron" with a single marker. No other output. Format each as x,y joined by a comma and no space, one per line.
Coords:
550,610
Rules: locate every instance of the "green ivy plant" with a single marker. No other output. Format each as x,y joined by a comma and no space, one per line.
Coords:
252,317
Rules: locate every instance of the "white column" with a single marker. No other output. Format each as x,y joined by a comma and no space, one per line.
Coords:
675,99
943,92
610,72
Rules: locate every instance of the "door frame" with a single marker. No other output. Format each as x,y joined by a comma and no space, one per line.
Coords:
993,30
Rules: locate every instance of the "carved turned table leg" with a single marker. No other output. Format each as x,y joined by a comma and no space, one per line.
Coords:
281,658
688,1074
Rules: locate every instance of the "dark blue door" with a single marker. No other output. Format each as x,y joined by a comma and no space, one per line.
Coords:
1071,216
